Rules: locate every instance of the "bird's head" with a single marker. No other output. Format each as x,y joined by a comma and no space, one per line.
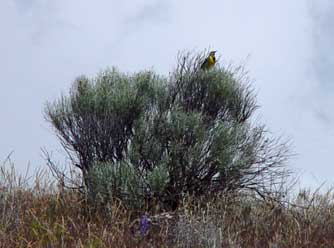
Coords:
212,53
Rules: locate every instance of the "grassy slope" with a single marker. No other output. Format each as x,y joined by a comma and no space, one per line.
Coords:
40,216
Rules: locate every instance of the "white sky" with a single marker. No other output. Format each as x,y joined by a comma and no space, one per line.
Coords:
45,44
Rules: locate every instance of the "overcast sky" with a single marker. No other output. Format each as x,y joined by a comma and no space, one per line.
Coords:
288,44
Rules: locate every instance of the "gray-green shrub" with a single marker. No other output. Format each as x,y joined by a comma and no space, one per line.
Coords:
142,136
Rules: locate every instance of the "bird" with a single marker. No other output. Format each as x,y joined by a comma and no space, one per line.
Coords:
210,61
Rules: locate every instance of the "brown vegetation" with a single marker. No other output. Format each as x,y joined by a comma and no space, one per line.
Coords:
41,215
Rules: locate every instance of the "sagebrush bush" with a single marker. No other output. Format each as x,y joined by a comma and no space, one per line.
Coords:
142,136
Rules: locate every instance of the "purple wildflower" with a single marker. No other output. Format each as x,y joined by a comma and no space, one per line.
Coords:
144,225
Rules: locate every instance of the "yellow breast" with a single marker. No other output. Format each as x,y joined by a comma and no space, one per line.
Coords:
211,61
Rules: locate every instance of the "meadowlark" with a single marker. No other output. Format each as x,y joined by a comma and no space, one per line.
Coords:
210,61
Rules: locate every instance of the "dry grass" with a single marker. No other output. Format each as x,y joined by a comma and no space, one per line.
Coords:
40,215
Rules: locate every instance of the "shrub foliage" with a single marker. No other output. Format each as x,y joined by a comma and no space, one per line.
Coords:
142,136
